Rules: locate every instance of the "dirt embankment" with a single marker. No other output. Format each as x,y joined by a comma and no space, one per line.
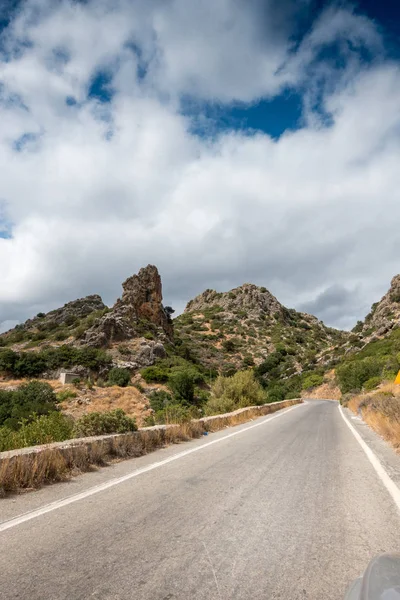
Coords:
327,391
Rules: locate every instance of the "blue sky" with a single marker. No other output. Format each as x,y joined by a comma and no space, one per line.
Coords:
225,142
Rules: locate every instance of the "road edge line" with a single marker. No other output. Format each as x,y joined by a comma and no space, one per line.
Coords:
383,475
5,525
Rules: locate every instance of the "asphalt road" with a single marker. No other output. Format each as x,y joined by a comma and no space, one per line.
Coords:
289,509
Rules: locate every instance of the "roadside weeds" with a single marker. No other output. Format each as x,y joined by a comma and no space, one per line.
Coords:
41,465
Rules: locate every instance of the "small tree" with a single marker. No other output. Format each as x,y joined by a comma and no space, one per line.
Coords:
229,345
181,384
169,311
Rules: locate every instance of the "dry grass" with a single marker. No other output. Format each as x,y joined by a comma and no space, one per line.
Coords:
98,399
29,470
381,411
129,399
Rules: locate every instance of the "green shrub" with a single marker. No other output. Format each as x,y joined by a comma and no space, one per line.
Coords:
121,377
40,315
229,345
181,384
155,374
276,393
148,335
79,332
248,361
372,383
352,375
175,413
33,398
238,391
65,394
159,400
32,364
70,320
61,335
96,423
44,429
312,381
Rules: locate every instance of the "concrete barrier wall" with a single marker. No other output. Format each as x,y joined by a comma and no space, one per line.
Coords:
205,420
30,467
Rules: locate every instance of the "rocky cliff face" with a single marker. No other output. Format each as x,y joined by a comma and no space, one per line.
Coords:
385,314
138,311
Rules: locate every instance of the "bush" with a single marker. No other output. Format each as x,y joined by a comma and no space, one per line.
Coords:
154,374
160,400
121,377
238,391
175,413
43,429
32,364
248,361
312,381
229,345
96,423
33,398
372,383
65,394
276,393
181,384
351,376
61,335
228,370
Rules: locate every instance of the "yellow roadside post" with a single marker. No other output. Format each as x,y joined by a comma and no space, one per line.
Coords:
397,380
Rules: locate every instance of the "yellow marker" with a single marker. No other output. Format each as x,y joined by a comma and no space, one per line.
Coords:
397,380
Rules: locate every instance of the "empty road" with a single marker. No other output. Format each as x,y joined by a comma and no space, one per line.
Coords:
289,508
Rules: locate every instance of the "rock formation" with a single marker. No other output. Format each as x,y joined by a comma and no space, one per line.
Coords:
138,311
384,314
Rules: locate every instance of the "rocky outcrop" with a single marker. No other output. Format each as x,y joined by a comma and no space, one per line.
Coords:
248,297
385,314
66,315
243,327
139,311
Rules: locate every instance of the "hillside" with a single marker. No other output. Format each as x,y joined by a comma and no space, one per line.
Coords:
384,315
248,325
86,333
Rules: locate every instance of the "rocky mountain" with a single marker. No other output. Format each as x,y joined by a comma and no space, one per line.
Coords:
384,315
245,326
133,331
56,324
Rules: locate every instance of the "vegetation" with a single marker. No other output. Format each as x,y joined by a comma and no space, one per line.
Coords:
33,364
96,423
121,377
44,429
239,391
377,361
22,405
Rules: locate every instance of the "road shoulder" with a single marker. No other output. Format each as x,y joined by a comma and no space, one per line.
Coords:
383,451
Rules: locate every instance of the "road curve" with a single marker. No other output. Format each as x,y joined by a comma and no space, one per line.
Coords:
291,509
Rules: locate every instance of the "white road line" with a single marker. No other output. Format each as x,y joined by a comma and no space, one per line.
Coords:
109,484
389,484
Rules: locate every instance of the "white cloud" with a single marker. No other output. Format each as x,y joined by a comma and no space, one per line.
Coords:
103,190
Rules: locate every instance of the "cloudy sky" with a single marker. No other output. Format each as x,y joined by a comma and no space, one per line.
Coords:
225,141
